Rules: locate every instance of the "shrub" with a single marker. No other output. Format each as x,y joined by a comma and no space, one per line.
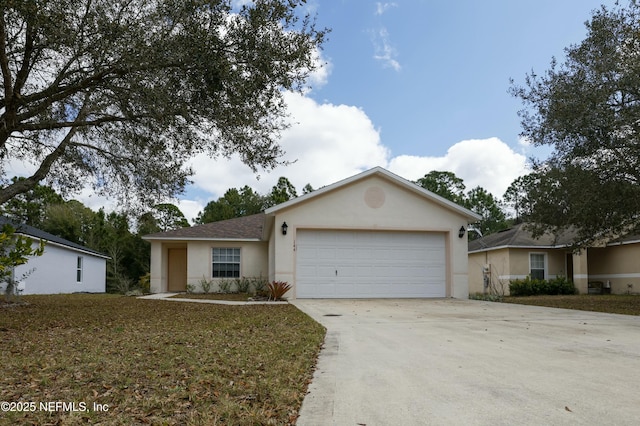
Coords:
259,285
144,282
225,285
562,285
191,288
535,287
243,284
277,289
205,285
121,284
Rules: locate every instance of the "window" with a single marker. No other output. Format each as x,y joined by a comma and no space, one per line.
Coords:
226,263
536,265
79,269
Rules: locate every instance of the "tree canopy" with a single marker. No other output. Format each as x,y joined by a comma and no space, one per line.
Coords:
478,199
120,94
588,110
445,184
283,191
245,201
234,203
169,217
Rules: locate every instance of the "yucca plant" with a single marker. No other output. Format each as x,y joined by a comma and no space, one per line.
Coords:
277,289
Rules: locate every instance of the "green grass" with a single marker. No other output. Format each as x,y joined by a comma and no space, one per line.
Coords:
155,362
614,304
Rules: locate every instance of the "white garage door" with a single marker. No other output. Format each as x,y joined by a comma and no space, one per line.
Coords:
363,264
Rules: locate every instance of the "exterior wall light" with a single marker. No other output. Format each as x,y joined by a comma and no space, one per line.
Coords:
284,228
460,232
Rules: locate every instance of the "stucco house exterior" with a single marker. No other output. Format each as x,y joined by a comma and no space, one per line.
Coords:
64,267
513,253
372,235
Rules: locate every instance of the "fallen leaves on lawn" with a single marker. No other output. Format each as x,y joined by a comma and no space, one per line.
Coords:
156,362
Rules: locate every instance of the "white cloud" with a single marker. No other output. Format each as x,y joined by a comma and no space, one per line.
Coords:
326,143
237,4
524,142
320,76
489,163
383,7
189,208
384,50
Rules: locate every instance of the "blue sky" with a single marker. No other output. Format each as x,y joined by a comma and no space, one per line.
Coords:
442,69
412,86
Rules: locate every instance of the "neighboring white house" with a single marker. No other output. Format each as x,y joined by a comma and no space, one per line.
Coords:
373,235
64,267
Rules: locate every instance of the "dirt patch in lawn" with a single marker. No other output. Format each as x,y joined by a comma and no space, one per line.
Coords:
614,304
121,360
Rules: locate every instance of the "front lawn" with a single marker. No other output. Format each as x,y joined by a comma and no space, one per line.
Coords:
119,360
614,304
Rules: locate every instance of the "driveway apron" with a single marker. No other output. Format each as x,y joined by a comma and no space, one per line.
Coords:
446,362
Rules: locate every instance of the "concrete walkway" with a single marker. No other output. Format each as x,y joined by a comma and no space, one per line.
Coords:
170,298
456,362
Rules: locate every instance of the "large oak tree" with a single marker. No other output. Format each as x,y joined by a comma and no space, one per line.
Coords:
119,94
588,110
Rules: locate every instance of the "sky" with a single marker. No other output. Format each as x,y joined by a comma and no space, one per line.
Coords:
411,86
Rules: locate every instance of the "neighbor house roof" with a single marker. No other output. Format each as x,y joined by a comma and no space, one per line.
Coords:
379,171
519,236
49,238
240,228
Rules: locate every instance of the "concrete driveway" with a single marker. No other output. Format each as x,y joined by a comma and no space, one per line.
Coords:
446,362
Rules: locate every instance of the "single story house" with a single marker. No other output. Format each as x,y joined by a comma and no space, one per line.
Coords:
373,235
513,253
64,267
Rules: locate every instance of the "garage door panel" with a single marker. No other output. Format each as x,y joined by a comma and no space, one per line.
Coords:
369,264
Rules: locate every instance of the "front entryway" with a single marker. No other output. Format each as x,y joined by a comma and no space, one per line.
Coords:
177,273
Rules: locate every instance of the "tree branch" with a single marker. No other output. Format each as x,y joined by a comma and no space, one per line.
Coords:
25,185
51,125
101,151
4,62
23,73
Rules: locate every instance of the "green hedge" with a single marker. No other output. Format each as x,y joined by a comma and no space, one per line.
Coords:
534,287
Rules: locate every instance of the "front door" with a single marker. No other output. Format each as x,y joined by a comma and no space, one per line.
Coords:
177,274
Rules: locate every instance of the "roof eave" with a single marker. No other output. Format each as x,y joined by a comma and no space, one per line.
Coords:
185,239
527,247
68,247
468,214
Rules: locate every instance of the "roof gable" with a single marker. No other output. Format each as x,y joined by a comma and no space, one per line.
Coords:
385,174
240,228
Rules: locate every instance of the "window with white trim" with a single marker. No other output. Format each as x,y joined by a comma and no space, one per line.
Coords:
537,268
226,263
79,270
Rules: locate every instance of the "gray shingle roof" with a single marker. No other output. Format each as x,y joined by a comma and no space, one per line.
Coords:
38,233
240,228
519,236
